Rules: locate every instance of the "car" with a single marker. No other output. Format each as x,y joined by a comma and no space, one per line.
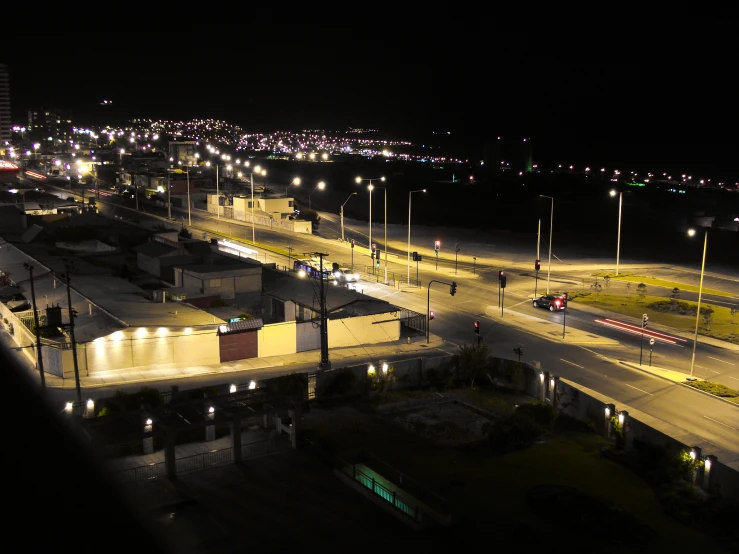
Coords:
344,274
552,302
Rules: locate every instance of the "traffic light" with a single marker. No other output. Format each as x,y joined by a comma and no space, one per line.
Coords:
416,257
453,288
372,254
645,318
537,265
377,263
502,278
431,314
374,246
352,243
477,327
437,245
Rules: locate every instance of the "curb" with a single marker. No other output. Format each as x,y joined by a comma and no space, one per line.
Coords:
627,364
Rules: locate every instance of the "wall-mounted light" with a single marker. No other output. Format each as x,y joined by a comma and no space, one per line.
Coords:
252,385
620,419
232,389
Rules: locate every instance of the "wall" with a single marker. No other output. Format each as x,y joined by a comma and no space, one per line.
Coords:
308,336
281,205
134,348
276,339
370,329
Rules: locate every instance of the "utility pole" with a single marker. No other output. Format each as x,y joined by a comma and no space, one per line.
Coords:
169,194
135,191
456,256
39,357
564,316
218,196
538,258
68,268
325,363
189,216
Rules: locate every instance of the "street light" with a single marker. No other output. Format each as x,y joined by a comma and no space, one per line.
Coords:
259,171
295,182
691,232
618,240
342,215
359,180
321,185
551,224
409,231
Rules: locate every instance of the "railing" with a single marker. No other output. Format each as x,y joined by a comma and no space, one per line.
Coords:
413,320
144,473
204,460
409,509
397,477
261,448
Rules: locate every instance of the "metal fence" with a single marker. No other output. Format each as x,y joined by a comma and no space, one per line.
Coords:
261,448
204,460
408,508
144,473
413,320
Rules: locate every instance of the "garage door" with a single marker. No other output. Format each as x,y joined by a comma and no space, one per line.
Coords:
238,346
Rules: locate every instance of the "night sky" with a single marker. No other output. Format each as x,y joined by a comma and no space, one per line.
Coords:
635,94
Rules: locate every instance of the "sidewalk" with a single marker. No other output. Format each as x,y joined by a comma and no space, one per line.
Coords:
257,368
546,329
667,374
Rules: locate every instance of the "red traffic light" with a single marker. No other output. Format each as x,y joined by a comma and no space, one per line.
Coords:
537,265
477,327
501,274
431,314
437,244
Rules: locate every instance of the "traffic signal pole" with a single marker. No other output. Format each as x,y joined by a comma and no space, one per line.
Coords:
452,291
641,345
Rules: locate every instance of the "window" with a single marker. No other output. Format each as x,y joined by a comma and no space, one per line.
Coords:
215,282
250,204
290,204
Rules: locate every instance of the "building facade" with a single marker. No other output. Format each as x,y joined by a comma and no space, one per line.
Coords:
50,125
4,105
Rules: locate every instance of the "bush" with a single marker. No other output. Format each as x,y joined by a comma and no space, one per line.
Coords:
513,432
342,384
660,465
292,384
541,413
714,388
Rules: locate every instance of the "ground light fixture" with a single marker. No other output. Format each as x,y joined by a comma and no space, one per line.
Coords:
232,389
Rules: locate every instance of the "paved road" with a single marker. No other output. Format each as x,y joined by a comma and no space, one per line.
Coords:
594,366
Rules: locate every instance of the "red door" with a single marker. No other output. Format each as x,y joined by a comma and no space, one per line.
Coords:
238,346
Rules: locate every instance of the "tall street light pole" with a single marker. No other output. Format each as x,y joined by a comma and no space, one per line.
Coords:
259,171
342,215
359,180
67,277
409,231
295,182
321,185
618,240
551,225
189,215
691,232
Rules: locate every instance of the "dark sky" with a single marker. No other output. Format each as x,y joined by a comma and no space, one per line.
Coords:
657,87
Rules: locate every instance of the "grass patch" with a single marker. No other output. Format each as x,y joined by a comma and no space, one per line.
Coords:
660,283
723,326
717,389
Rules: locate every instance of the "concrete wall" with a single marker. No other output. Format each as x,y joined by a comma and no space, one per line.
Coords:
277,339
144,347
370,329
308,336
271,205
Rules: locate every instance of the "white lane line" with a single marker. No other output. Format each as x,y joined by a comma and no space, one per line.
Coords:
637,388
571,363
735,378
708,368
722,361
721,423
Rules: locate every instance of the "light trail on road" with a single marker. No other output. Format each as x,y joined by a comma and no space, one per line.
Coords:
636,330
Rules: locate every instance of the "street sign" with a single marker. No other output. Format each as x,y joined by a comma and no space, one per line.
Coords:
651,342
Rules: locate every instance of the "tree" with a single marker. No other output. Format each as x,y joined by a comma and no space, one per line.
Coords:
597,287
641,290
707,314
308,214
472,360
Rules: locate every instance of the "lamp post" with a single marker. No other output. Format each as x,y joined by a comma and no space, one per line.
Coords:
39,357
551,225
342,215
321,185
359,180
189,215
259,171
409,231
295,182
618,240
691,232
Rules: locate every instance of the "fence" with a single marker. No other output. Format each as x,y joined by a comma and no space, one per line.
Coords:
262,448
144,473
413,320
204,460
406,507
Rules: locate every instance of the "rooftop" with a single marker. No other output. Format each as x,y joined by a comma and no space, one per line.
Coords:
340,301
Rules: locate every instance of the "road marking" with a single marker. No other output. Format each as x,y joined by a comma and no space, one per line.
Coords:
722,361
721,423
708,368
572,363
735,378
637,388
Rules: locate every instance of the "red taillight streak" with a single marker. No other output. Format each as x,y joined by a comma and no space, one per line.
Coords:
646,331
634,332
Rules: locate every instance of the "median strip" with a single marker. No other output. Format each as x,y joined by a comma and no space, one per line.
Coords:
716,389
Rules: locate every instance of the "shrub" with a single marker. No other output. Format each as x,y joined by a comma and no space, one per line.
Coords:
513,432
292,384
714,388
660,465
541,413
342,384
